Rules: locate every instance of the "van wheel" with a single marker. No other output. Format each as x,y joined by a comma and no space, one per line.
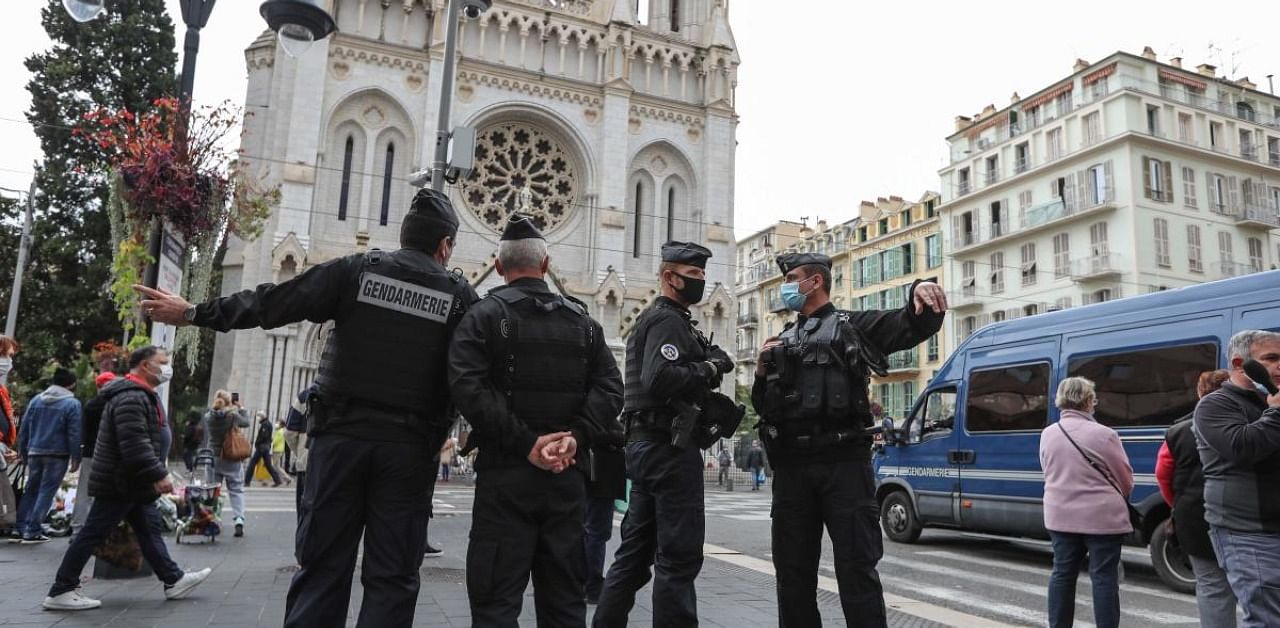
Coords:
1171,563
898,518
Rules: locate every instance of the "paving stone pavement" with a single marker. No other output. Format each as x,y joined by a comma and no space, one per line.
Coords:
251,577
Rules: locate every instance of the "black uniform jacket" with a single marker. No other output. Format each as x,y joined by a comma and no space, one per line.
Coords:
484,404
890,331
325,292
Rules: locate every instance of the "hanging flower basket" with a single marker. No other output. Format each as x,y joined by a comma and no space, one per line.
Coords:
180,176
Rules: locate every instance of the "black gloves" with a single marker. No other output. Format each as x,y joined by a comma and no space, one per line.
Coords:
721,360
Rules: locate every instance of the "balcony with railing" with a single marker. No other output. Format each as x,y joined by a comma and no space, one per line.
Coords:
1226,269
1273,158
964,298
902,361
1038,217
776,305
748,354
1096,267
1258,216
750,319
967,148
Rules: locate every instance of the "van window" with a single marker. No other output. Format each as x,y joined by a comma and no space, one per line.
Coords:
1151,387
1007,399
935,417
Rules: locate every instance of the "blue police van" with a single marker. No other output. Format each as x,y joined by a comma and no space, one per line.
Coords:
967,455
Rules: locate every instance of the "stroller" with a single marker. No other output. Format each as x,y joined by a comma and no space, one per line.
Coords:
203,504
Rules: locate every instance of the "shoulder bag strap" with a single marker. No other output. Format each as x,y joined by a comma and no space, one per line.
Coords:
1097,466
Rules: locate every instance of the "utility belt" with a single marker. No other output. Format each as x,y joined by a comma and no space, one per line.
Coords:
649,424
815,437
333,411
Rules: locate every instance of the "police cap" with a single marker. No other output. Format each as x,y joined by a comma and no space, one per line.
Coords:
521,227
685,253
430,218
789,261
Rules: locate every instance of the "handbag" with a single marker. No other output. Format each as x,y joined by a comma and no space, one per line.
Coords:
235,447
1135,517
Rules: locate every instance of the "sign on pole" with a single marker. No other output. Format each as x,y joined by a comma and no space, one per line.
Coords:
168,279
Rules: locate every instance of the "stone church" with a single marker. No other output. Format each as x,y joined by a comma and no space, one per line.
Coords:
613,120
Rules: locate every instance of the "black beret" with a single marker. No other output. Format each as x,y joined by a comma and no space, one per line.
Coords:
686,253
520,227
789,261
434,208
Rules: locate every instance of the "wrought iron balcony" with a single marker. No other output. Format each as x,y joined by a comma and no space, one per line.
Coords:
748,320
1094,267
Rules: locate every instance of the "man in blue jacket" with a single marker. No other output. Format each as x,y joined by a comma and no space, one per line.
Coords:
48,440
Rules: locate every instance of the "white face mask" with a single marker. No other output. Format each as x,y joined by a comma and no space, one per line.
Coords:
165,374
6,365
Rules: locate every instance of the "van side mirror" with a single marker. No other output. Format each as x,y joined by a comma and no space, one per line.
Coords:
886,428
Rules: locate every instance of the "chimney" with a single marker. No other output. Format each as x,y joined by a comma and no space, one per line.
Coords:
822,225
988,110
1246,83
1081,64
1014,99
895,198
1206,70
881,200
963,122
1176,62
1148,53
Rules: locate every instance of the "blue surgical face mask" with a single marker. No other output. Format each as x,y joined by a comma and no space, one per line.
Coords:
792,297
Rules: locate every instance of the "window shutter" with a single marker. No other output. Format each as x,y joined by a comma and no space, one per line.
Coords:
955,232
1090,187
1208,188
1082,189
1168,182
1069,193
1108,183
1232,194
1004,216
1146,177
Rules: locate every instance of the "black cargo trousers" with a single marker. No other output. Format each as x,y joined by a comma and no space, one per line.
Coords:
840,496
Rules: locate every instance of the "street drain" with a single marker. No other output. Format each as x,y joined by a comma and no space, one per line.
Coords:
441,574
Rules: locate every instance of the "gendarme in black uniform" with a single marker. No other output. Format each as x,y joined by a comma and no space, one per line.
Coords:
669,363
383,410
527,362
814,406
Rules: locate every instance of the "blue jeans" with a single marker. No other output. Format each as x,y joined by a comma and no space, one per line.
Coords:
104,515
44,476
1069,552
1252,563
757,477
598,528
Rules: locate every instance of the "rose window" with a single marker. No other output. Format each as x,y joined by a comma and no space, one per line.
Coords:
520,168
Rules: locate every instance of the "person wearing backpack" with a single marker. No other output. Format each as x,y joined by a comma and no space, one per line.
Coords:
228,466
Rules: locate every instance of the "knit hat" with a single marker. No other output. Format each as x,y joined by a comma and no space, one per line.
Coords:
63,377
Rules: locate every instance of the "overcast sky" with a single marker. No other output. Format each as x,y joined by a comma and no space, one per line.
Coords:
839,105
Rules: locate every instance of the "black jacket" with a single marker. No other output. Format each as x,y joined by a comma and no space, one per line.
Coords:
1239,446
890,331
92,418
263,439
126,457
1188,491
485,405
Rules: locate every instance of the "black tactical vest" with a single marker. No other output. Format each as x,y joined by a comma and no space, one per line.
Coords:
636,396
543,360
389,351
825,383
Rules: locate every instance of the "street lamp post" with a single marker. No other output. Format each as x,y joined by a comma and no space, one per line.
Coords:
24,248
472,9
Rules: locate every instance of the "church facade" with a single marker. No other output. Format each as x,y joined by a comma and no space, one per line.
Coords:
613,121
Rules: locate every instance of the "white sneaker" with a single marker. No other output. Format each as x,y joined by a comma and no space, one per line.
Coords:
184,585
70,601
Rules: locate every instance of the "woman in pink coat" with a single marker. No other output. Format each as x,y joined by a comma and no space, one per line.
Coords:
1087,482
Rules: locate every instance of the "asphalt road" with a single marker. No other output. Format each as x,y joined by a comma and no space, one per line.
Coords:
1001,580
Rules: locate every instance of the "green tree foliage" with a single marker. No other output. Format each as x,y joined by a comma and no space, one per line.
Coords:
123,59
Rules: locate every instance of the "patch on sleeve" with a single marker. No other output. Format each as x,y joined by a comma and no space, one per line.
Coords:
670,352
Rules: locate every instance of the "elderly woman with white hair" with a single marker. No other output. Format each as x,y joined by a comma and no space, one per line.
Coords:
1087,482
